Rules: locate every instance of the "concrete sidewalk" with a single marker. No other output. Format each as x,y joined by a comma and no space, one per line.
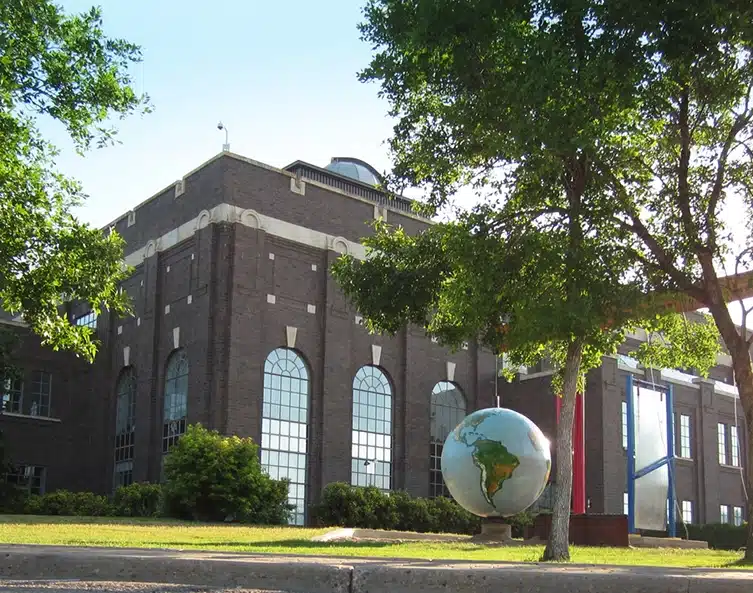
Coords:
303,574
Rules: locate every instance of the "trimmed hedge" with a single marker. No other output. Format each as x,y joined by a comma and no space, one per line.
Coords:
719,536
344,505
63,502
140,499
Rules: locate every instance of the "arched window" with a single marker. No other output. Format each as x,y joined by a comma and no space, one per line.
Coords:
125,427
176,399
371,462
447,411
284,425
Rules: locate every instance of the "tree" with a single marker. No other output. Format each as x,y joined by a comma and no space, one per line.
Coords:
61,68
688,152
461,280
518,98
209,477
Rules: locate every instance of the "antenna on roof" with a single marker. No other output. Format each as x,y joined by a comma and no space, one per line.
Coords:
226,146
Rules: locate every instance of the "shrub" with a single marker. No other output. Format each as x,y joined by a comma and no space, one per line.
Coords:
720,536
140,499
66,503
369,508
209,477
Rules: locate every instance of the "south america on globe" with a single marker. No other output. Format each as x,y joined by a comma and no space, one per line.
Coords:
496,462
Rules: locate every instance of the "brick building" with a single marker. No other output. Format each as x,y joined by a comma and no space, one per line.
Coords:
238,325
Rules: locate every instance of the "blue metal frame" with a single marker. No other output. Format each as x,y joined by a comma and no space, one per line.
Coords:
632,474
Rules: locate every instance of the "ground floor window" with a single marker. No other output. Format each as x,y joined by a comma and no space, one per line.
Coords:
27,477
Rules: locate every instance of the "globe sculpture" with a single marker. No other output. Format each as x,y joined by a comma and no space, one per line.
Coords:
496,462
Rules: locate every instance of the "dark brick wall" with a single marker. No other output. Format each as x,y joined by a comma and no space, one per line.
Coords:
69,444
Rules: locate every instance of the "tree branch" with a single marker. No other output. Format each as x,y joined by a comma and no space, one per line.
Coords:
683,187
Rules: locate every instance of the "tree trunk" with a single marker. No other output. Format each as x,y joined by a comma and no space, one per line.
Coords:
558,546
741,363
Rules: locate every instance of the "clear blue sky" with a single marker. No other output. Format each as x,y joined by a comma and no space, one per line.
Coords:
280,75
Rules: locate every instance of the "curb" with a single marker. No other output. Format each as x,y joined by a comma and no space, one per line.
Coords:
169,566
297,574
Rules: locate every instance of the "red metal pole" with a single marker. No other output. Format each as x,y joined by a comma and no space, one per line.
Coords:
578,505
579,457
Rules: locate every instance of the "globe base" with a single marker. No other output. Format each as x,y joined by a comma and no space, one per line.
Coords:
496,529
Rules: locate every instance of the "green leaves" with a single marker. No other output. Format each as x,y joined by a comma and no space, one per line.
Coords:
59,66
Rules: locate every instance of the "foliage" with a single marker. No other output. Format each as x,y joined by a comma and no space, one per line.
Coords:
676,342
60,67
370,508
66,503
140,499
210,477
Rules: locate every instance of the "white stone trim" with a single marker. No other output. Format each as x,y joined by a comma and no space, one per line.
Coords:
176,338
250,218
291,333
376,354
126,356
450,371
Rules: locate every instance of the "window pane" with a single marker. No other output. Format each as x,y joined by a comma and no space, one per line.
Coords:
175,406
685,438
687,512
447,410
724,513
125,426
13,396
372,425
285,414
722,443
40,395
734,446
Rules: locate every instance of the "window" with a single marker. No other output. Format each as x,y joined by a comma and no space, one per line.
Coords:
13,391
724,513
737,515
734,446
39,398
125,427
30,478
624,425
687,512
685,450
625,505
447,411
721,436
284,425
176,399
88,320
371,462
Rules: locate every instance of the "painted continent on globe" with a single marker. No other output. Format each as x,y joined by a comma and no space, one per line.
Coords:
496,462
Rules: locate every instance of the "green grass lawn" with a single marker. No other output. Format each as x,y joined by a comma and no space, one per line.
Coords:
143,533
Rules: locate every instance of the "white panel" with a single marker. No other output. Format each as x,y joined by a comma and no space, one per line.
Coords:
126,356
650,446
176,337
